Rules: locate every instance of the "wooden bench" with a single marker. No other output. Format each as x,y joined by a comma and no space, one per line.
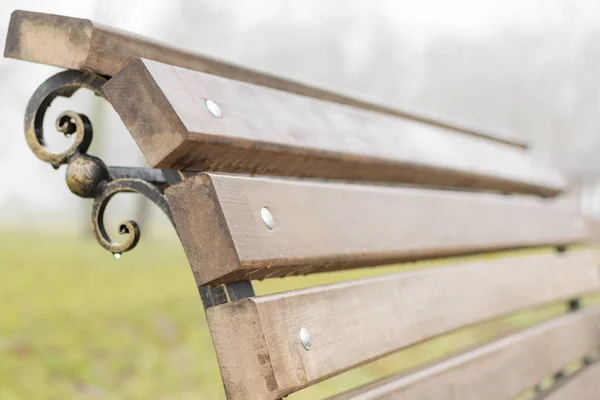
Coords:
265,177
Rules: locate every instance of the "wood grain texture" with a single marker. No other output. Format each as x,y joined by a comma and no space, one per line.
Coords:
498,371
351,323
271,132
584,385
327,226
82,44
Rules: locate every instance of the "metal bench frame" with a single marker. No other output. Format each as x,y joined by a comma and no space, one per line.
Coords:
88,176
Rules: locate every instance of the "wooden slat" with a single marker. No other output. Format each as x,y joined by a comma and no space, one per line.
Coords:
326,226
498,371
271,132
82,44
257,339
584,385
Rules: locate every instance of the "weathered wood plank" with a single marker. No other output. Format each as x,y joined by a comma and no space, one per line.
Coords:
584,385
497,371
326,226
270,132
82,44
351,323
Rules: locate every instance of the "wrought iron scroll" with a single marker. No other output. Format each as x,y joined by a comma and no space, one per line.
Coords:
88,176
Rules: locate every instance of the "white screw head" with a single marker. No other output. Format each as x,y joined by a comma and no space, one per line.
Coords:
305,339
214,108
267,217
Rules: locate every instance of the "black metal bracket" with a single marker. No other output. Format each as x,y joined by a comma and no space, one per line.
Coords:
88,176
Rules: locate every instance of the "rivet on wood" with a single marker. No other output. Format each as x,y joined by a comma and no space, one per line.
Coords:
305,339
267,217
214,108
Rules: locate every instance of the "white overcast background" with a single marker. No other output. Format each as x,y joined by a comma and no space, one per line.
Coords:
530,67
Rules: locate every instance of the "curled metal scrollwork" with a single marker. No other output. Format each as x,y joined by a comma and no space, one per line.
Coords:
88,176
63,84
129,228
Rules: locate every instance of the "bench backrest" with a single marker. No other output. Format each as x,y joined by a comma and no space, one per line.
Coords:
239,228
266,131
350,184
89,46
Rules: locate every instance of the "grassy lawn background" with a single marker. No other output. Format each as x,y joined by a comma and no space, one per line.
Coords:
75,323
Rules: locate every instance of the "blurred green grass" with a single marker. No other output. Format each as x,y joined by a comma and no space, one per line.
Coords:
75,323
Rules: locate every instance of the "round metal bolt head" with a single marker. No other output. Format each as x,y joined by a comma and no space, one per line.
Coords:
214,108
267,217
305,339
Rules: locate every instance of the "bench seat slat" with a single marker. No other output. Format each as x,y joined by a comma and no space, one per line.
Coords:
88,45
321,226
270,132
497,371
584,385
351,323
